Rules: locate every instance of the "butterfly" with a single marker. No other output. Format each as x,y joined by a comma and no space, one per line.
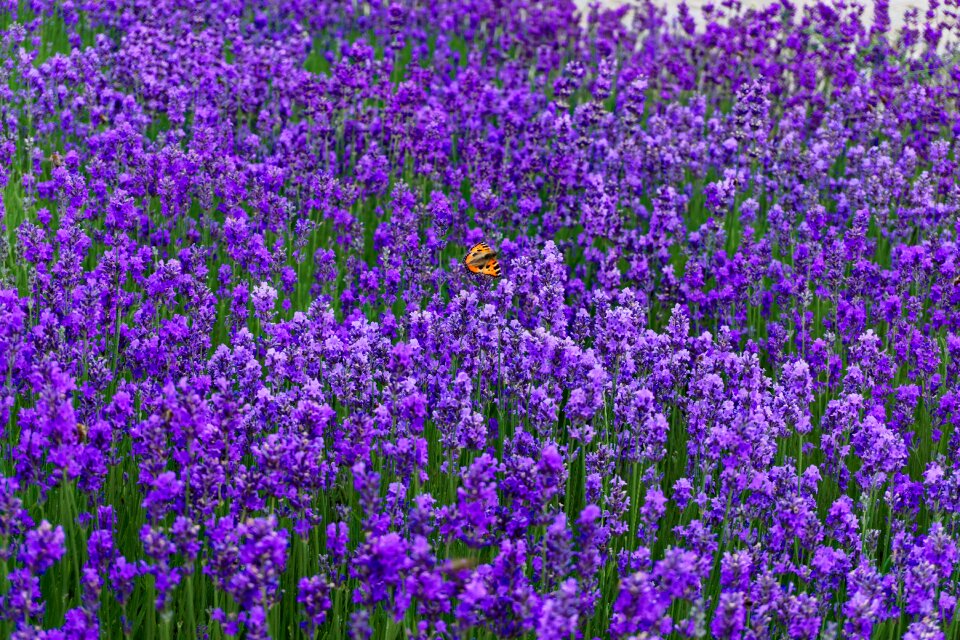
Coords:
483,260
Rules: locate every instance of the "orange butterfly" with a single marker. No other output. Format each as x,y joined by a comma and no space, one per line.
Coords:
483,260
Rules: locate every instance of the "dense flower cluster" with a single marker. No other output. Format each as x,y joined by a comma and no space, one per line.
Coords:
250,390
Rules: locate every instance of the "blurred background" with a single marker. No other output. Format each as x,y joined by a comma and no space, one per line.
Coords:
897,7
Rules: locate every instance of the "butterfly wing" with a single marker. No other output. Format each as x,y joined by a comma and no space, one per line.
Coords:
483,260
492,268
477,256
477,250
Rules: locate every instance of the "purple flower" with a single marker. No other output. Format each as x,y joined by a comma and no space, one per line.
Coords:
313,594
247,561
42,548
729,617
560,614
264,298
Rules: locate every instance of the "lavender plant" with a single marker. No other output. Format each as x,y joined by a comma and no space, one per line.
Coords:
251,390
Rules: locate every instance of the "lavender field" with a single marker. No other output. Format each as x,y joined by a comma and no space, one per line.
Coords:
701,380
